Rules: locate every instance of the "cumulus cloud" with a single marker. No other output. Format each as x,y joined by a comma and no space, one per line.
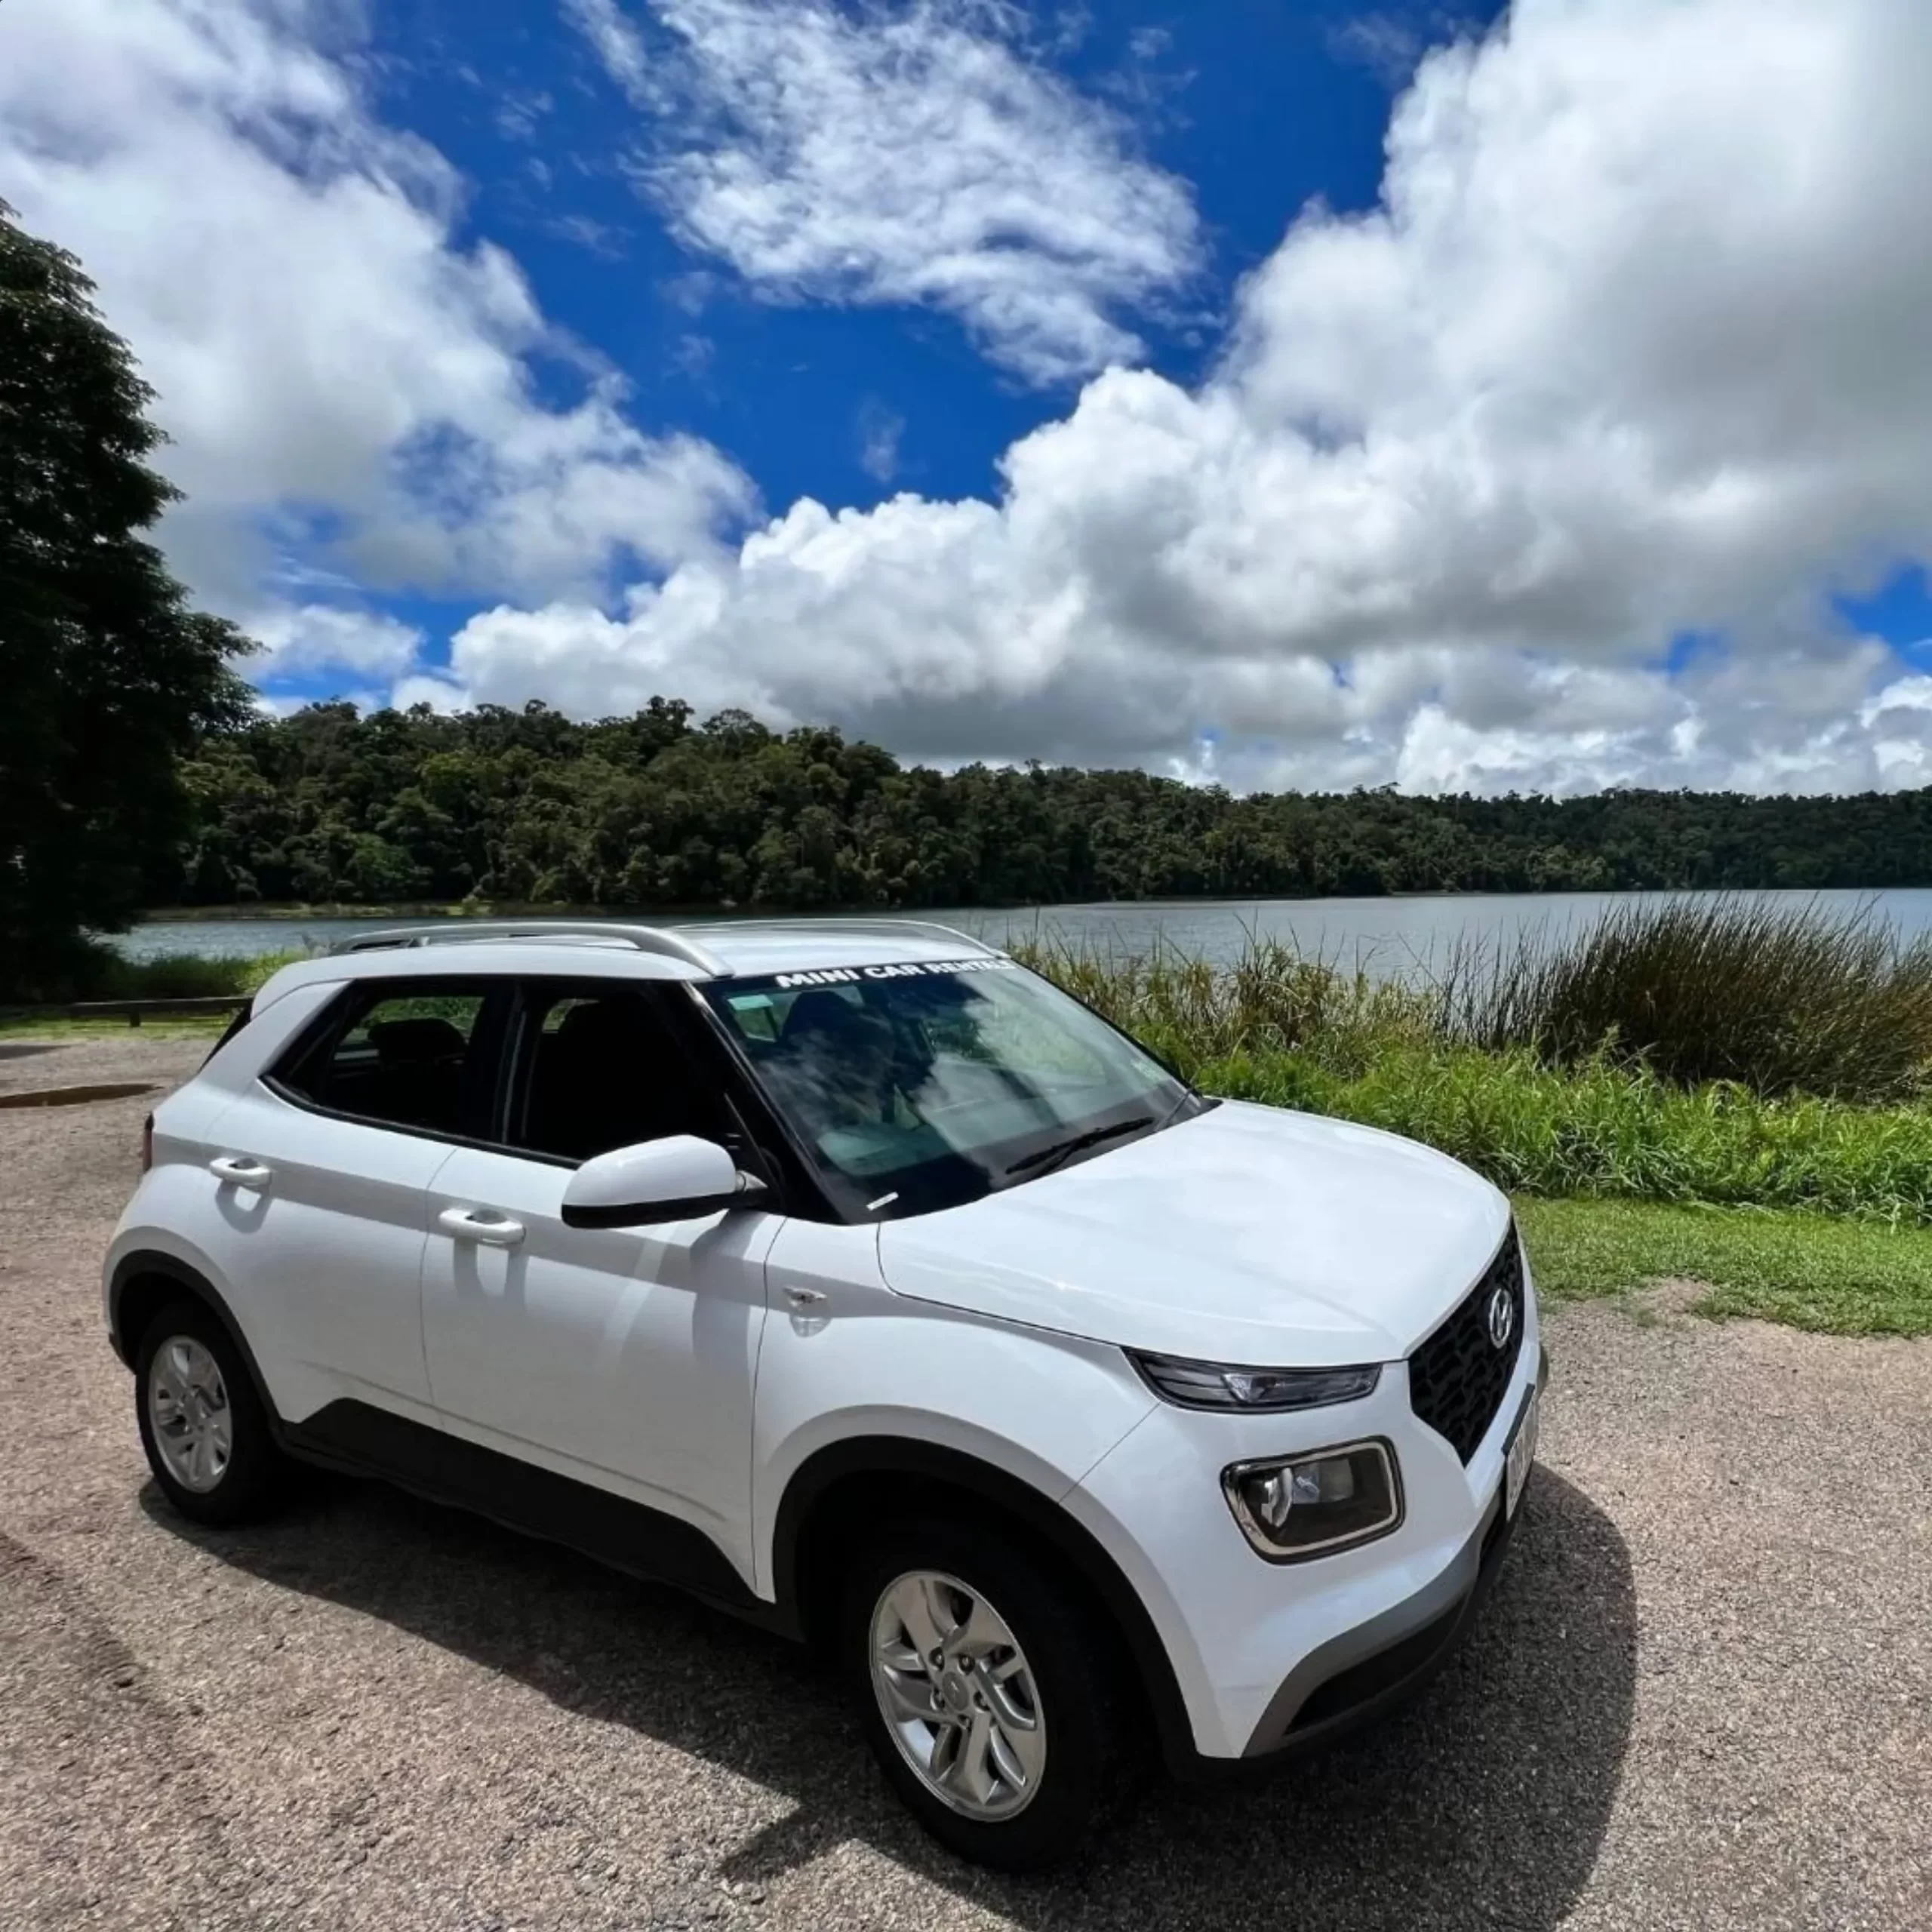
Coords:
340,377
1628,352
920,156
1631,348
312,637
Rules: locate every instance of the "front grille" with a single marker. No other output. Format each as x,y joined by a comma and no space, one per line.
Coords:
1457,1377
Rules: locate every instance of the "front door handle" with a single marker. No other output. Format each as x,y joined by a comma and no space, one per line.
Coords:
470,1224
239,1171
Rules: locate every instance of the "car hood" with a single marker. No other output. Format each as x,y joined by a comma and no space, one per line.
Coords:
1246,1235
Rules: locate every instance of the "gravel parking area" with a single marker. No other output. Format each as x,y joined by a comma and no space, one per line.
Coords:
1701,1696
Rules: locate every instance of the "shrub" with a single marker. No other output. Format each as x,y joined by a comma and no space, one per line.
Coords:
95,971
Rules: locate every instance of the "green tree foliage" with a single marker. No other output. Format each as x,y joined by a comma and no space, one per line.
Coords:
658,809
106,677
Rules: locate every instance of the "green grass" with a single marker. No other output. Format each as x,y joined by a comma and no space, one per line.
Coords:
1482,1068
1834,1277
190,976
1621,1177
1605,1129
107,976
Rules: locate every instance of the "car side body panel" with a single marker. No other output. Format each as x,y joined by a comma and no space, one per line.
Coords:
631,1352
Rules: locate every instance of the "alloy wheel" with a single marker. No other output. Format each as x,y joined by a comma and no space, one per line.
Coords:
958,1695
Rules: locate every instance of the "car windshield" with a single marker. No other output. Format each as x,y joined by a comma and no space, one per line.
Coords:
919,1086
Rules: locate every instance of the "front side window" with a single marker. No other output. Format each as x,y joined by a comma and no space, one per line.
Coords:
404,1059
603,1070
916,1087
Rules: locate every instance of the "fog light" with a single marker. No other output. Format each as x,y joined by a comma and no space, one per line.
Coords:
1291,1507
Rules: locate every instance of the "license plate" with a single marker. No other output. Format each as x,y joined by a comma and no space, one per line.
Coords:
1520,1452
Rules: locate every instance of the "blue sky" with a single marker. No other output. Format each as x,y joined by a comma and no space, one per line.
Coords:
1272,393
1260,106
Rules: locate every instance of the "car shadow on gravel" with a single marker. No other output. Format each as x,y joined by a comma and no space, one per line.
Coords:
1484,1803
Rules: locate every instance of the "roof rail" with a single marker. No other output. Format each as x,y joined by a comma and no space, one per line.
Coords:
883,925
643,939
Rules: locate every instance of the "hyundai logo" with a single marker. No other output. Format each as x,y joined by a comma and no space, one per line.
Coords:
1501,1318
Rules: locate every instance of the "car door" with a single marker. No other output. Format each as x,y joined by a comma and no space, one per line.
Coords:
323,1169
625,1357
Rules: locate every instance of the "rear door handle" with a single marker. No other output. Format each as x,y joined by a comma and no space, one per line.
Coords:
239,1171
470,1224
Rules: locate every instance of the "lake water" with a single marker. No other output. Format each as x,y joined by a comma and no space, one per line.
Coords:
1382,935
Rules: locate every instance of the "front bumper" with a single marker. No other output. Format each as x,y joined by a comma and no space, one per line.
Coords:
1355,1677
1269,1657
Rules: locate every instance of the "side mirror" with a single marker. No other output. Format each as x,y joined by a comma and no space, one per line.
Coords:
672,1179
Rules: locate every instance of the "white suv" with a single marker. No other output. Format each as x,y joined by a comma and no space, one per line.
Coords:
855,1278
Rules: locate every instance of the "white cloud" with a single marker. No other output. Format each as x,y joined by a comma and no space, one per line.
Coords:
1387,45
1632,347
618,45
439,694
880,430
314,637
919,157
339,374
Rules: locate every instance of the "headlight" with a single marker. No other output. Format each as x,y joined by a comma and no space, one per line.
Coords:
1207,1385
1290,1507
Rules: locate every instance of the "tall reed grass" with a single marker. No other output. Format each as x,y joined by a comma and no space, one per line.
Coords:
1683,1051
1777,999
1782,999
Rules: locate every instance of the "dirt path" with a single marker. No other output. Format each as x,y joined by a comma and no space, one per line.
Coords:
1702,1695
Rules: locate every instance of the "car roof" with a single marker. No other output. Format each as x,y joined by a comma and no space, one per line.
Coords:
749,947
611,950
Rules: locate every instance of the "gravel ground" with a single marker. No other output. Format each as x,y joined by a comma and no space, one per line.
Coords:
1699,1696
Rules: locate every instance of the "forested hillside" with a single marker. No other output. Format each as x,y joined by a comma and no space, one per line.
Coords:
658,809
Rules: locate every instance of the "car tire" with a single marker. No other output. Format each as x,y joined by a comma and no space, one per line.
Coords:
203,1423
983,1598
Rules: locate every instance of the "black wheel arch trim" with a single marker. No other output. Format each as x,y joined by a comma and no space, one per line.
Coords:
898,1456
144,1264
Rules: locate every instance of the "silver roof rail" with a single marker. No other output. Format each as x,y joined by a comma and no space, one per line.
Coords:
643,939
883,925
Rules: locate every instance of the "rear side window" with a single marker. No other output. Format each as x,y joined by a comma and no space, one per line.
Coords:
406,1057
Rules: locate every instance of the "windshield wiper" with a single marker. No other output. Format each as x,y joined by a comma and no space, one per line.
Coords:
1047,1158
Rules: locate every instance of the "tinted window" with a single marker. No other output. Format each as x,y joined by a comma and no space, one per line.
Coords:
603,1069
405,1059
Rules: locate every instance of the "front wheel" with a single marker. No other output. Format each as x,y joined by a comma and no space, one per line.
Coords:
975,1674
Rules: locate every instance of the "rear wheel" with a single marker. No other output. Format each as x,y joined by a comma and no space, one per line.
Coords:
979,1690
204,1428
